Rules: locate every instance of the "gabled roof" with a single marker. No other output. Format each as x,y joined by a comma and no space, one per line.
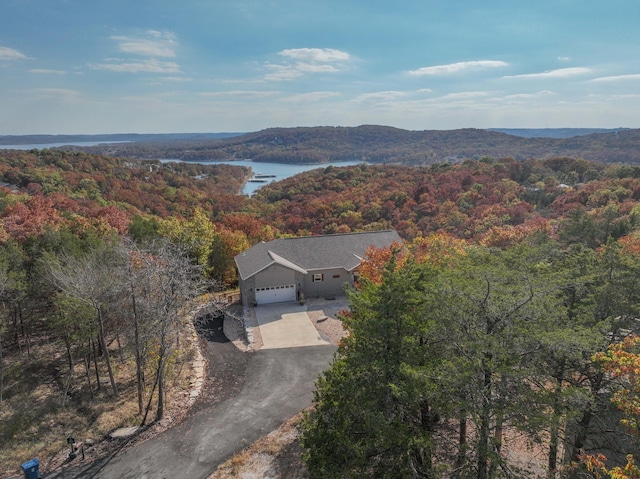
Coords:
309,253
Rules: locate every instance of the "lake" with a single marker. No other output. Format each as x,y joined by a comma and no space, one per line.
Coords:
279,170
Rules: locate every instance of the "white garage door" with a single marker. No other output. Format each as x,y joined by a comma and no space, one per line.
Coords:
276,294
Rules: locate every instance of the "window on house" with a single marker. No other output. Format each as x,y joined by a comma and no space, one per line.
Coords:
318,277
336,275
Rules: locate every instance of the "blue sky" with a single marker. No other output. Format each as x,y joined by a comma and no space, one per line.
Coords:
159,66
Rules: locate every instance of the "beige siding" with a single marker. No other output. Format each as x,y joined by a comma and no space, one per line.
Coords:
329,283
274,275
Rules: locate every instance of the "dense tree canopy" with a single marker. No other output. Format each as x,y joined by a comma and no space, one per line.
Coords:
455,369
479,329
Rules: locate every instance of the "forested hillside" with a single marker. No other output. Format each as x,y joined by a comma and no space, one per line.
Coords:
513,276
87,243
380,144
470,362
107,138
488,201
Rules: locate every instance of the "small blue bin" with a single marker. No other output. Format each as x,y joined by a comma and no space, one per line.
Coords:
31,469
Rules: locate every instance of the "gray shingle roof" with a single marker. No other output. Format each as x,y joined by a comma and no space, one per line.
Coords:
313,252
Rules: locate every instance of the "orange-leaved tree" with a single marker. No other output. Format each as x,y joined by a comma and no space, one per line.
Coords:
438,249
376,259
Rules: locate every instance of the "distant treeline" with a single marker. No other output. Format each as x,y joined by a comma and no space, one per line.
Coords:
554,132
380,144
135,137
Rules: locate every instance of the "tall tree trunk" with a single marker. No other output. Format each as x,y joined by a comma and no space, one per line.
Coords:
67,345
422,457
136,338
160,410
22,329
461,457
485,418
497,445
120,349
18,314
14,318
87,370
67,386
583,425
581,434
105,351
554,432
161,365
146,412
28,337
92,346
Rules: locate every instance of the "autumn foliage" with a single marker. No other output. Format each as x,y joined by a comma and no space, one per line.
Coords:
436,249
376,259
622,363
54,202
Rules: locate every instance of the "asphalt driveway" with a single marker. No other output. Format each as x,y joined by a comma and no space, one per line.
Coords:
286,325
265,389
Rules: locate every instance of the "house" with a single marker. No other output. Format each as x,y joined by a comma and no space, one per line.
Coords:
288,269
9,186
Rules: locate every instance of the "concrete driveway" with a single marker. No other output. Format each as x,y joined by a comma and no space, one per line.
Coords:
286,325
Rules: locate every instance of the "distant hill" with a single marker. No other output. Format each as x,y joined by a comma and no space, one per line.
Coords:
554,132
381,144
133,137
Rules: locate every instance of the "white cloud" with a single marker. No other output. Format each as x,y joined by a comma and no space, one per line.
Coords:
282,72
315,68
527,96
178,79
45,71
289,72
603,98
559,73
634,76
563,59
155,44
464,95
630,96
7,53
381,96
150,66
238,94
311,96
302,61
459,67
321,55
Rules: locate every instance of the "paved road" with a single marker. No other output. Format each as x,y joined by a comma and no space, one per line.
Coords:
278,384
